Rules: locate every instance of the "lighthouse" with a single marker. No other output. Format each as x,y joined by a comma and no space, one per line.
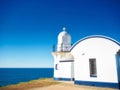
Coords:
63,60
93,60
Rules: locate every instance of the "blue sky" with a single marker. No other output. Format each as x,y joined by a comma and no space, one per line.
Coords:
29,28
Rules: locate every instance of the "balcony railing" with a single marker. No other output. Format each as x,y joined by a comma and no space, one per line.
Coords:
54,49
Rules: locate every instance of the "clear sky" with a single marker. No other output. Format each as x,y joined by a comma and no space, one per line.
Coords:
29,28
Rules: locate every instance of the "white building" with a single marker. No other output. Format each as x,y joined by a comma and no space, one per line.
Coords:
93,60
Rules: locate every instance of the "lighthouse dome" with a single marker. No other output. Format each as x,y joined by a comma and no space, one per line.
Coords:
64,41
64,37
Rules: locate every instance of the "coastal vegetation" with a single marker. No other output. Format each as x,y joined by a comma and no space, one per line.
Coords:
31,84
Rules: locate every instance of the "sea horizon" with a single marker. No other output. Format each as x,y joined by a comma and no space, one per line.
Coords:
10,76
26,67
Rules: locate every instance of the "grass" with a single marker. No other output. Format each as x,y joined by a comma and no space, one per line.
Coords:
31,84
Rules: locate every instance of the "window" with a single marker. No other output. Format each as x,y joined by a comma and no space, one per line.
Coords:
93,69
56,66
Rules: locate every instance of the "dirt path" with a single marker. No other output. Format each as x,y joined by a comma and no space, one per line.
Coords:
69,86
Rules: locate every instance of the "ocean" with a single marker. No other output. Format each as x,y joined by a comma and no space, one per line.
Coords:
10,76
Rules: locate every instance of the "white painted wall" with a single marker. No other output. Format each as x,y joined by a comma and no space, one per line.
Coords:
65,69
104,51
56,72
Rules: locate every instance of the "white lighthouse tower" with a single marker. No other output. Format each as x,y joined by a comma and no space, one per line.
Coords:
63,60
